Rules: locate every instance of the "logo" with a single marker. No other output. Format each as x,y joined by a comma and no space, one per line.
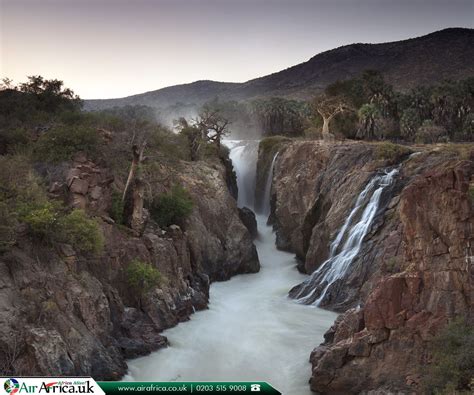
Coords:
12,386
255,387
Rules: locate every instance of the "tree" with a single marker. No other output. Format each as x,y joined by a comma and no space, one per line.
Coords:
328,107
409,123
368,117
193,135
278,116
213,125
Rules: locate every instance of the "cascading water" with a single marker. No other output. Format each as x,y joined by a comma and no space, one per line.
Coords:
268,188
243,154
252,330
347,243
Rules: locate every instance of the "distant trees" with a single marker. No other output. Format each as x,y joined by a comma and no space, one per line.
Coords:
424,114
279,116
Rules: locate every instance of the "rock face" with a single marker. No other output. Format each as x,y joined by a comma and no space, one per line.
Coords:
413,274
247,217
66,313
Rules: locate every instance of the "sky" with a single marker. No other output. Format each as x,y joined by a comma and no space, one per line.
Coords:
116,48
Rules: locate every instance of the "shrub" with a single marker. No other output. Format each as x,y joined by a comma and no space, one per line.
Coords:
7,227
452,367
270,143
142,276
172,207
61,142
81,232
391,152
41,218
116,208
313,133
429,133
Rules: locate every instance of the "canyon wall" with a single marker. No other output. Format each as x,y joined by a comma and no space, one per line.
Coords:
414,272
65,313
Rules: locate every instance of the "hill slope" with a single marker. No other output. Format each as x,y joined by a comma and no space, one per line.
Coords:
448,53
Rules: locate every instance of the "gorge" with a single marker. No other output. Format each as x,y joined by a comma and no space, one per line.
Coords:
390,300
399,221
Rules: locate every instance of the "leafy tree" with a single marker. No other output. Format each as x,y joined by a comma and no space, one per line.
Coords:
278,116
61,142
409,123
369,115
193,135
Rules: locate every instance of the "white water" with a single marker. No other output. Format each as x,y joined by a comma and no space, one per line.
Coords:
268,187
251,331
338,263
243,154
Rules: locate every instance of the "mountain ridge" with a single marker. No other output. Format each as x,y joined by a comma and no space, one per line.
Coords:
424,60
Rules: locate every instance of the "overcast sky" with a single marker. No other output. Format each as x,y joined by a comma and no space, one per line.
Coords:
115,48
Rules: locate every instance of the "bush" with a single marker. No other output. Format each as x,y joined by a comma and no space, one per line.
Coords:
41,218
391,152
172,207
452,367
268,144
81,232
313,133
60,143
142,276
116,208
7,227
429,133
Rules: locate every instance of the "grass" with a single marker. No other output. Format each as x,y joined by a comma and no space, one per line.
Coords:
390,151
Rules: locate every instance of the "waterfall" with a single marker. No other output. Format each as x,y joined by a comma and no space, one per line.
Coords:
244,154
347,243
268,188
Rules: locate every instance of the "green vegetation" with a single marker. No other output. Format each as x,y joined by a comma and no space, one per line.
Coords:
471,192
368,108
62,142
172,207
142,276
7,228
268,144
82,232
117,207
391,152
42,219
452,368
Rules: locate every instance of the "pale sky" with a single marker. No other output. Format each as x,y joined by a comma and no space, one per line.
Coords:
115,48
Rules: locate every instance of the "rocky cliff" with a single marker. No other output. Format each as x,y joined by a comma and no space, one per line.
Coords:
63,312
414,272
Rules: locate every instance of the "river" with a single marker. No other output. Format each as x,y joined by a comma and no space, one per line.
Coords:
252,331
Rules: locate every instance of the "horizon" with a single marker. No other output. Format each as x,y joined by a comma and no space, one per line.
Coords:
120,57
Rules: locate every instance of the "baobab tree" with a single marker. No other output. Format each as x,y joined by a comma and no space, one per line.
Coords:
328,107
212,125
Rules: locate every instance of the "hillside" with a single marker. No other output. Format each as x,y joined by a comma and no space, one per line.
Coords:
448,53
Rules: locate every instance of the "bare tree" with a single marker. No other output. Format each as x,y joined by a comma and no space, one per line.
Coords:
328,107
213,126
137,159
